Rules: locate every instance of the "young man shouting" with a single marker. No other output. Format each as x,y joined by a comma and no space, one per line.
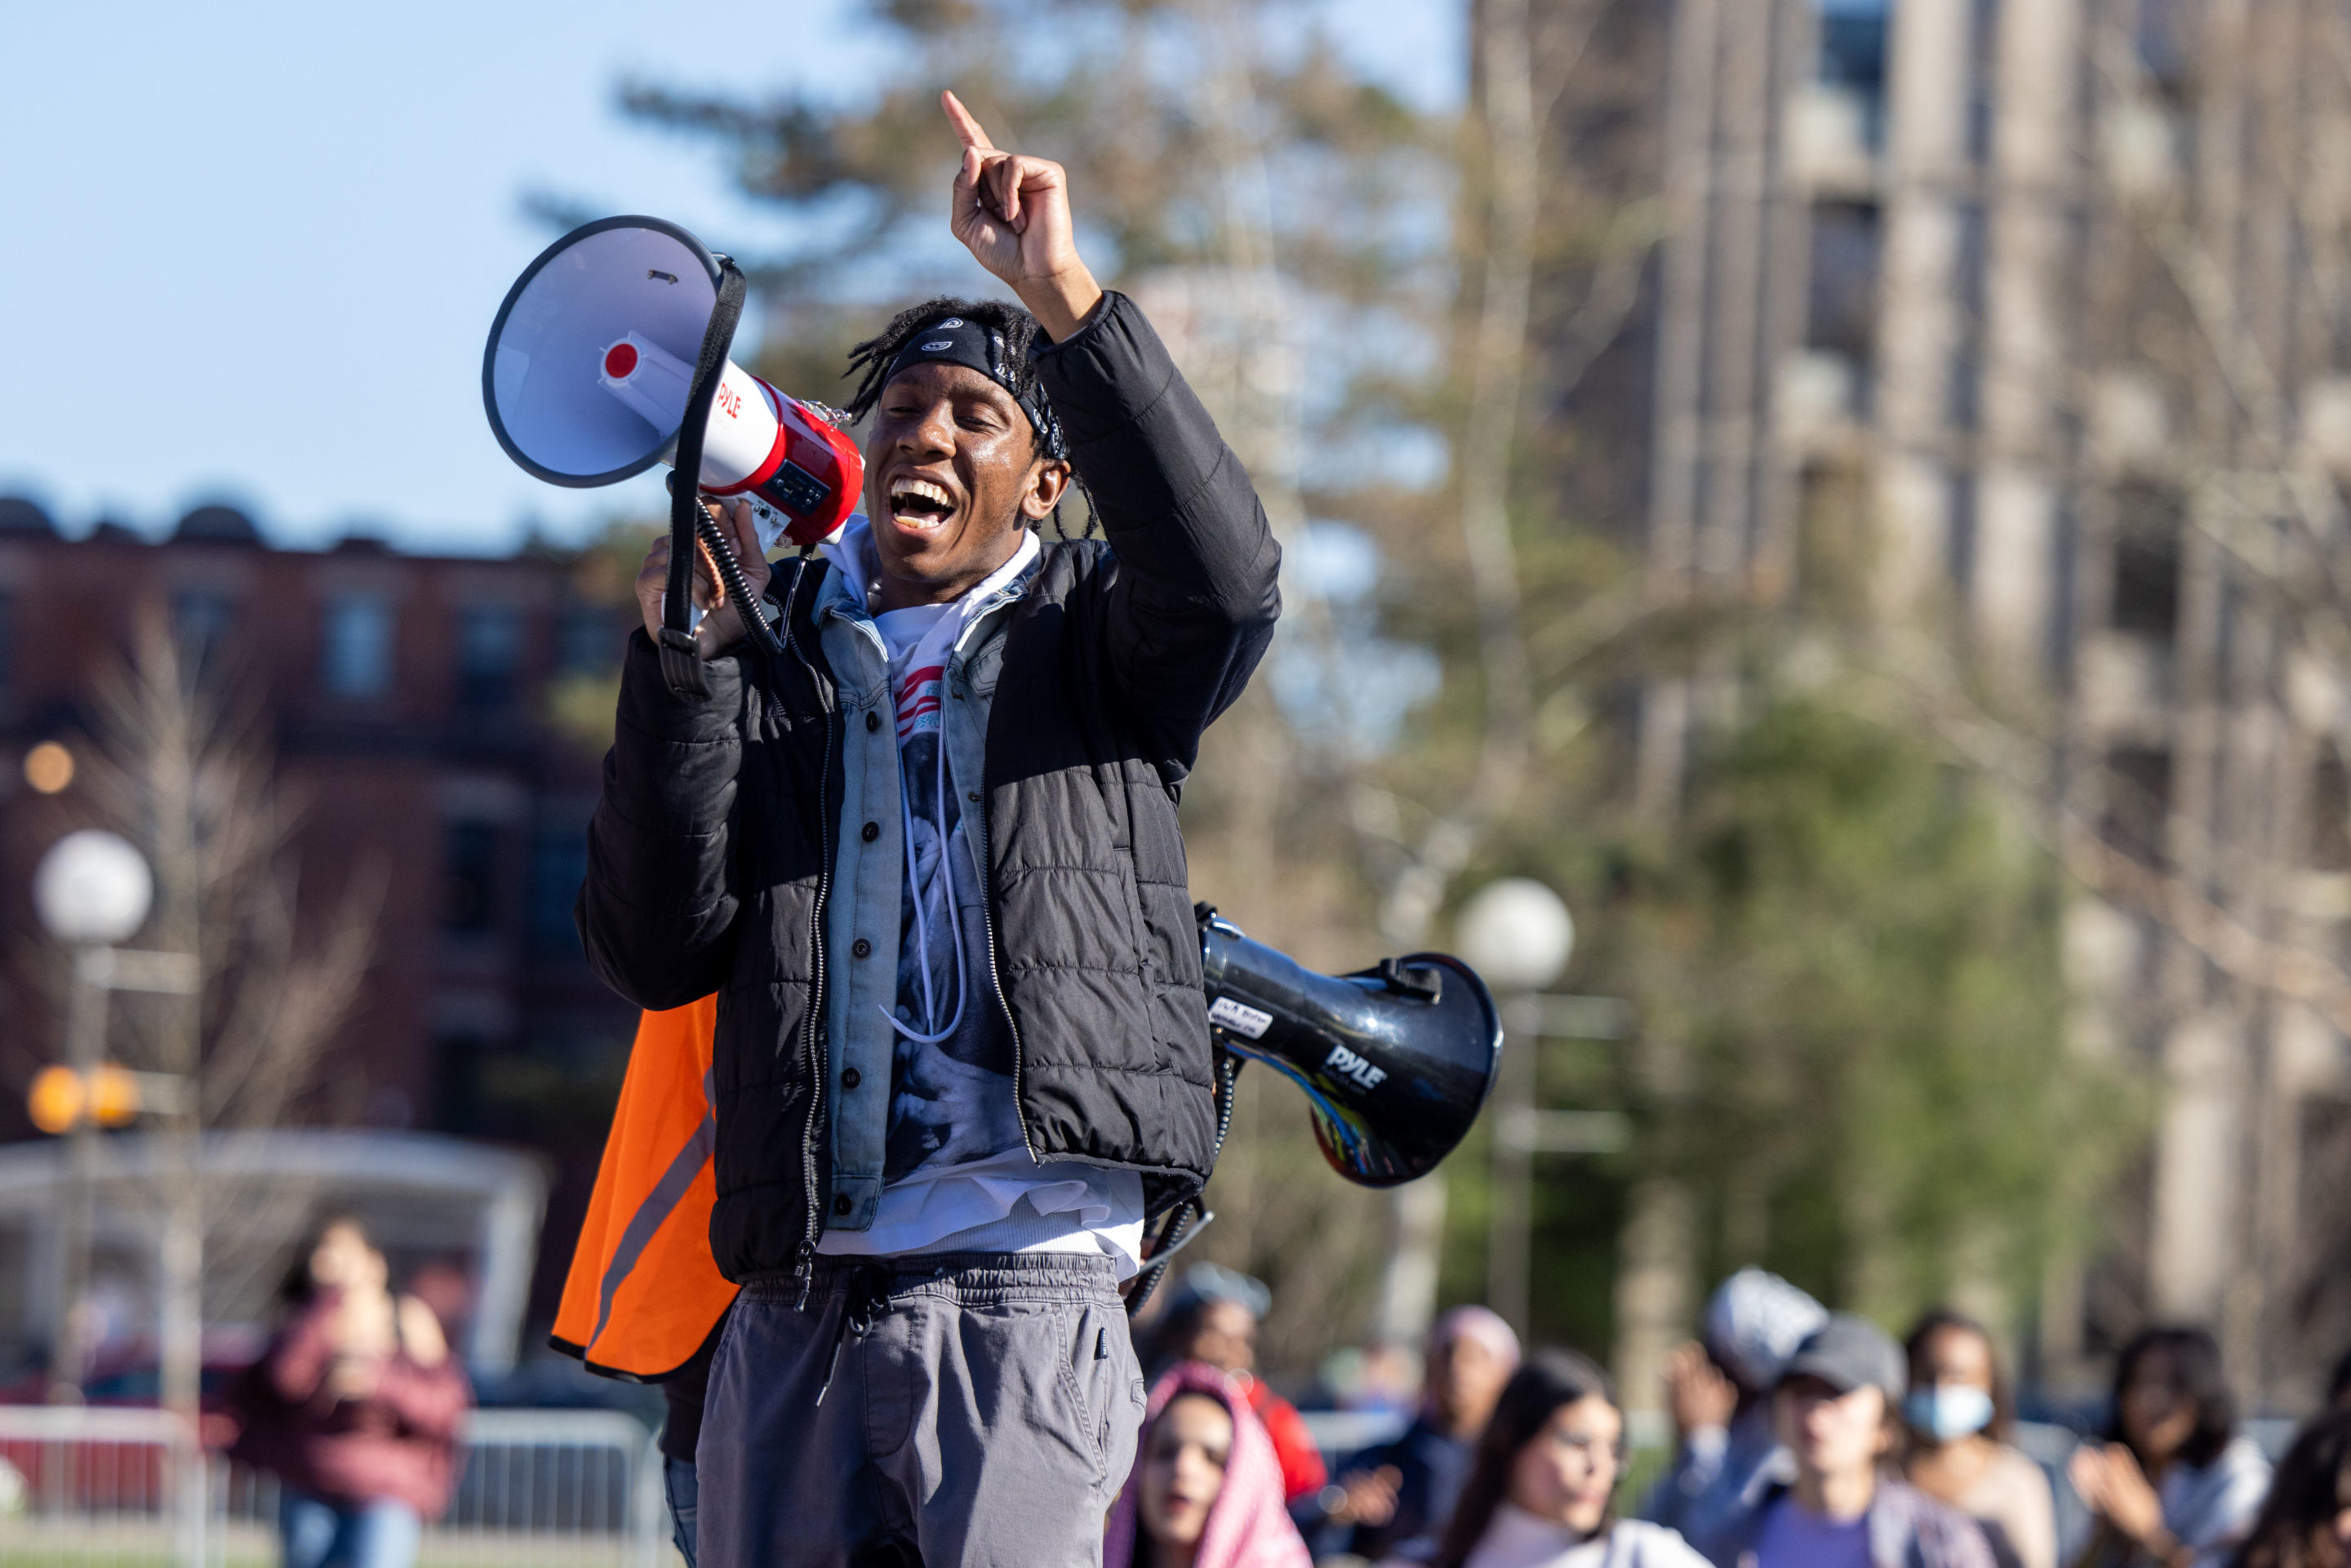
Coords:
929,861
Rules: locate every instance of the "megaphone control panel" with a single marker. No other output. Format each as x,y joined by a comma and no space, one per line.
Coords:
800,473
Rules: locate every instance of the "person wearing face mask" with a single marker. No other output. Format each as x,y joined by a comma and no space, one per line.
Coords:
2306,1522
1836,1411
1542,1490
2175,1483
1958,1417
1206,1489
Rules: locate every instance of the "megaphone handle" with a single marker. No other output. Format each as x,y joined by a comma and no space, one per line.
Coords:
681,655
730,577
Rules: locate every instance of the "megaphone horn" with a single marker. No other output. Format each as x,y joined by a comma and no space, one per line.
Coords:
1395,1061
589,364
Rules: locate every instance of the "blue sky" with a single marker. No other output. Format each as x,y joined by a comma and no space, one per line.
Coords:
250,251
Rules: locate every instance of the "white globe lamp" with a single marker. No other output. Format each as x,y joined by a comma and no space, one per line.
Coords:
1516,933
93,888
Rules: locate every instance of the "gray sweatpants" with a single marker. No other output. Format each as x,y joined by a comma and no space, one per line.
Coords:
968,1409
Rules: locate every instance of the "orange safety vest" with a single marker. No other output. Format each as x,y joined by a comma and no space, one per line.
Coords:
645,1291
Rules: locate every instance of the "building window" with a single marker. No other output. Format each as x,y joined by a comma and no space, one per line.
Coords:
2330,812
200,623
2138,802
489,640
2148,519
587,644
559,864
470,859
358,662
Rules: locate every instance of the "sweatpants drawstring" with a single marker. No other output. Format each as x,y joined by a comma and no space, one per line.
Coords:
865,1297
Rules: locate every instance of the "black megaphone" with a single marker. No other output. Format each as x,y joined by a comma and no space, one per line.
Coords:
1395,1061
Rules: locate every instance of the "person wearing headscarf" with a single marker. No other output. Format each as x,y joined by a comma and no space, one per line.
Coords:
1206,1488
1404,1489
1720,1392
1214,1319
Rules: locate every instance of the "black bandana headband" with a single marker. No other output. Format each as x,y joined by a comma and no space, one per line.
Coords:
953,340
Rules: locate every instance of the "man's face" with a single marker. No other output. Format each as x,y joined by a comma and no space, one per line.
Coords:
1831,1432
952,475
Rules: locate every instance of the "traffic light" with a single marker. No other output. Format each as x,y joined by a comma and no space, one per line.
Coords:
62,1099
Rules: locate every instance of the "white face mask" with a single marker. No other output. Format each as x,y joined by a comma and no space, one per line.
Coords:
1948,1411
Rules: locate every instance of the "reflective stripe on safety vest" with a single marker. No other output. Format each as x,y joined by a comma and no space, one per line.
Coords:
643,1292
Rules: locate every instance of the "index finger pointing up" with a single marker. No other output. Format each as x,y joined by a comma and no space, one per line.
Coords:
966,127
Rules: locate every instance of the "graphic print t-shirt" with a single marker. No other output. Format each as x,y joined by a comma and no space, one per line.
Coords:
956,1174
1793,1537
950,1101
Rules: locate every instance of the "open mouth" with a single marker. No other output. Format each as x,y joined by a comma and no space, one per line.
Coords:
920,504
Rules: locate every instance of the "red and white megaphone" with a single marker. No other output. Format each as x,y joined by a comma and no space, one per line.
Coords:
590,363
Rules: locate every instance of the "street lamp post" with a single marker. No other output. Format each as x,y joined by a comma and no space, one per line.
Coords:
91,890
1517,935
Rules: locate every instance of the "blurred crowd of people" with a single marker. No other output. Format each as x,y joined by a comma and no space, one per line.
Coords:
1803,1439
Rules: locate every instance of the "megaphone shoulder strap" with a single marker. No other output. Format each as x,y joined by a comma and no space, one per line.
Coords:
681,659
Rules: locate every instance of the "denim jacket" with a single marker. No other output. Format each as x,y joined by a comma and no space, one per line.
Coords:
869,871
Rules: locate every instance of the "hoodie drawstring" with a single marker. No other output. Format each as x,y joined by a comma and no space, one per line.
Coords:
922,898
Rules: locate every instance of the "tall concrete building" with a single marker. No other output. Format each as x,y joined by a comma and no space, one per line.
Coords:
2054,295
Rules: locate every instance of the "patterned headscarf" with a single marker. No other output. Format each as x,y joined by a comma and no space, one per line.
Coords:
1248,1525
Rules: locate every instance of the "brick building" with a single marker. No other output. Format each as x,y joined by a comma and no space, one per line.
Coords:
407,699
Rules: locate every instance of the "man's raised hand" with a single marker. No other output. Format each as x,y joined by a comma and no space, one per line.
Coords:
1012,213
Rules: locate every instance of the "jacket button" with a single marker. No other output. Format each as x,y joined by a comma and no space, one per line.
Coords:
851,1078
872,832
972,797
873,721
862,948
841,1205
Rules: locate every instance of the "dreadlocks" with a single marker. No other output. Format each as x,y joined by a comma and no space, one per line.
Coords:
869,363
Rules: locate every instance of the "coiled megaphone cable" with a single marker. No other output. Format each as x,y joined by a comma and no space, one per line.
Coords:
1180,1225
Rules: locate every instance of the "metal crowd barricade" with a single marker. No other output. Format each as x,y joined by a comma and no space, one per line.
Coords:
91,1488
